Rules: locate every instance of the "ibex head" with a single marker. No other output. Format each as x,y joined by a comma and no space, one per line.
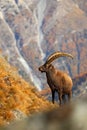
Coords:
45,67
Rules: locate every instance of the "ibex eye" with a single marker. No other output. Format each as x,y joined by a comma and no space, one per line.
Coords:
54,77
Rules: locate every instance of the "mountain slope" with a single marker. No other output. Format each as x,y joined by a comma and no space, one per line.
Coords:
17,97
32,30
82,4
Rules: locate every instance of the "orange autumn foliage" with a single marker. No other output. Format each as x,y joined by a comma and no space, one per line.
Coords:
17,94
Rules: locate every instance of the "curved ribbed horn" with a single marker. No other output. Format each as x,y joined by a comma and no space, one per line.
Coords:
57,55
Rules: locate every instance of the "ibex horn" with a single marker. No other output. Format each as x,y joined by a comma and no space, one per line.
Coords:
56,55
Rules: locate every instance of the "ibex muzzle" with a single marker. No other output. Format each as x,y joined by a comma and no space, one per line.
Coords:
56,79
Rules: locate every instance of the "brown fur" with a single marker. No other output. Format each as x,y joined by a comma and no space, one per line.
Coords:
57,81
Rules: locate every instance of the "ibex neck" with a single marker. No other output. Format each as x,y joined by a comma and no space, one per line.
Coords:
51,71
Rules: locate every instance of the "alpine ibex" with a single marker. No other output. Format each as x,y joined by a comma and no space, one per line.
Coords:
56,79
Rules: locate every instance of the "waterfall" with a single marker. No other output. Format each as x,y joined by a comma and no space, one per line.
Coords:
40,11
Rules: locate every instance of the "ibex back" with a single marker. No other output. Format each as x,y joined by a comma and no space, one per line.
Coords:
56,79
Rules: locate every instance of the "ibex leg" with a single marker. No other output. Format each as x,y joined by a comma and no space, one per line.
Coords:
53,95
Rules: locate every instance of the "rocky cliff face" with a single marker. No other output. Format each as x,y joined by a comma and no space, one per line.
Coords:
82,4
30,30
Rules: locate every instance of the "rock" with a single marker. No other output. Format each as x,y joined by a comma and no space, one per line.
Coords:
19,115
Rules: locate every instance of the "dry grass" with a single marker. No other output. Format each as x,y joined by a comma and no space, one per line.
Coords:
17,94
